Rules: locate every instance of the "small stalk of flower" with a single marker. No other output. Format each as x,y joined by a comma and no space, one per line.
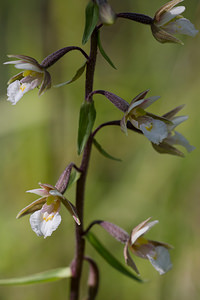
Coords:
174,137
45,217
169,21
32,76
156,252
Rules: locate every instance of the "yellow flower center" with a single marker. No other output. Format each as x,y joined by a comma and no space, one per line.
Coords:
22,87
47,217
149,127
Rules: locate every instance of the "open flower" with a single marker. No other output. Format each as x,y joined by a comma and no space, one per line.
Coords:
45,216
156,252
174,137
153,127
168,21
32,76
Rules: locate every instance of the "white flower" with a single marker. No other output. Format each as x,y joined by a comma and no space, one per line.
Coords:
168,21
174,137
45,216
153,127
46,220
156,252
34,75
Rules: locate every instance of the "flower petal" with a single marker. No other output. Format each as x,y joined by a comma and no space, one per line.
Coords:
181,26
141,230
155,130
168,16
179,139
129,260
161,261
42,225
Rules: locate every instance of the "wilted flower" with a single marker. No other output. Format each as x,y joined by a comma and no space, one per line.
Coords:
45,216
34,75
174,137
156,252
168,21
153,127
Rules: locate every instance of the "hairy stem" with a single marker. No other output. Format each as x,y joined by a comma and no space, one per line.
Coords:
77,263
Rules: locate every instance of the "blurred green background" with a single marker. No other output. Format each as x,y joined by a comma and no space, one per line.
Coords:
38,139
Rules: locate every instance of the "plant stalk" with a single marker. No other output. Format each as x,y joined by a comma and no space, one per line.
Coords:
77,263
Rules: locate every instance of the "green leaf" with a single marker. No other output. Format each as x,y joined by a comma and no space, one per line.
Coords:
86,122
91,19
78,74
47,276
103,53
103,152
111,260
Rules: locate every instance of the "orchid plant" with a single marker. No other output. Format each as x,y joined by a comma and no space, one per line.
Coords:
159,130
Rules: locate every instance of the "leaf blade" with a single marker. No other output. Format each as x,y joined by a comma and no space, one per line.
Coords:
86,121
103,53
111,260
47,276
77,75
103,152
91,19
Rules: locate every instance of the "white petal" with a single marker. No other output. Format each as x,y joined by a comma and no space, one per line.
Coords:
161,262
14,92
40,192
155,130
44,225
178,120
181,26
169,15
28,66
135,104
149,101
36,220
47,227
142,231
179,139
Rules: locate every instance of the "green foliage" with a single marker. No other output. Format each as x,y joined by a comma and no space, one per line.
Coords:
109,258
103,53
86,122
78,74
47,276
91,19
103,152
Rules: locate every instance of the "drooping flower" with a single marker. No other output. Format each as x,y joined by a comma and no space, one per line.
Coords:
153,127
32,76
168,21
174,137
156,252
45,217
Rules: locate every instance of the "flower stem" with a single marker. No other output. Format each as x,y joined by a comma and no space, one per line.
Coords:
77,263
